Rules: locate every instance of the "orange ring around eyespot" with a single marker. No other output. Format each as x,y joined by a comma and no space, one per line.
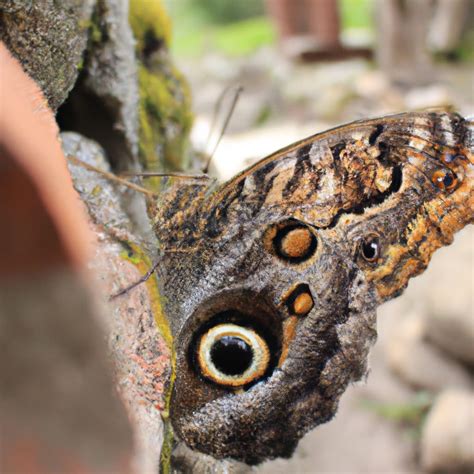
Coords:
439,178
261,355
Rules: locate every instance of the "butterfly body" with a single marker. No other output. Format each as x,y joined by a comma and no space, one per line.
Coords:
282,268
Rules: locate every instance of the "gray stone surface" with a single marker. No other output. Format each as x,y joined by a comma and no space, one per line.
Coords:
141,356
111,73
49,38
56,41
447,443
186,461
420,363
116,207
101,197
450,307
453,332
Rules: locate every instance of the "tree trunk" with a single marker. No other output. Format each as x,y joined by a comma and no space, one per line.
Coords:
402,29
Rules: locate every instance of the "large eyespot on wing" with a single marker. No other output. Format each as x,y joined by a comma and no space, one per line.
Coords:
234,341
232,355
291,241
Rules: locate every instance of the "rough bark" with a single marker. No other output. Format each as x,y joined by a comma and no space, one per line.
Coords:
49,38
67,388
137,334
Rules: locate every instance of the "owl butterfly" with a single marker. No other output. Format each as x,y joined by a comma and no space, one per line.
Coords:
272,280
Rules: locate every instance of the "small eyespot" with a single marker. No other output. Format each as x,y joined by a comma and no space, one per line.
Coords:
295,243
300,301
232,355
445,180
303,304
370,248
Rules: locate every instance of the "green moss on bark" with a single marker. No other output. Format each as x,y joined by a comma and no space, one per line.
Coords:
165,116
148,19
165,119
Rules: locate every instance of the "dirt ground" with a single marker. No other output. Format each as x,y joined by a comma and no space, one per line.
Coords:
283,102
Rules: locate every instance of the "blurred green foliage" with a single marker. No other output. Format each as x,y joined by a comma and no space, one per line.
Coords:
239,27
245,36
228,11
356,14
234,39
411,414
465,51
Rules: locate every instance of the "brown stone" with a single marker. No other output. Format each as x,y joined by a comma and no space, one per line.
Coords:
447,441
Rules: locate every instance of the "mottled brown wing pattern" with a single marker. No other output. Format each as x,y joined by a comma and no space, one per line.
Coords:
272,279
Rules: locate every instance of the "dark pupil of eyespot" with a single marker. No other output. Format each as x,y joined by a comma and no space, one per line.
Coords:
231,355
370,249
447,180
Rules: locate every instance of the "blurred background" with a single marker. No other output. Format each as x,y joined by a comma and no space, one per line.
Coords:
305,66
109,71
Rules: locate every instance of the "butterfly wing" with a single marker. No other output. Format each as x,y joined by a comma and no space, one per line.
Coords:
272,280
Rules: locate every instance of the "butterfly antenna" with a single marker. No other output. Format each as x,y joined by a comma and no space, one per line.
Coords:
215,114
143,279
237,92
153,174
110,176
